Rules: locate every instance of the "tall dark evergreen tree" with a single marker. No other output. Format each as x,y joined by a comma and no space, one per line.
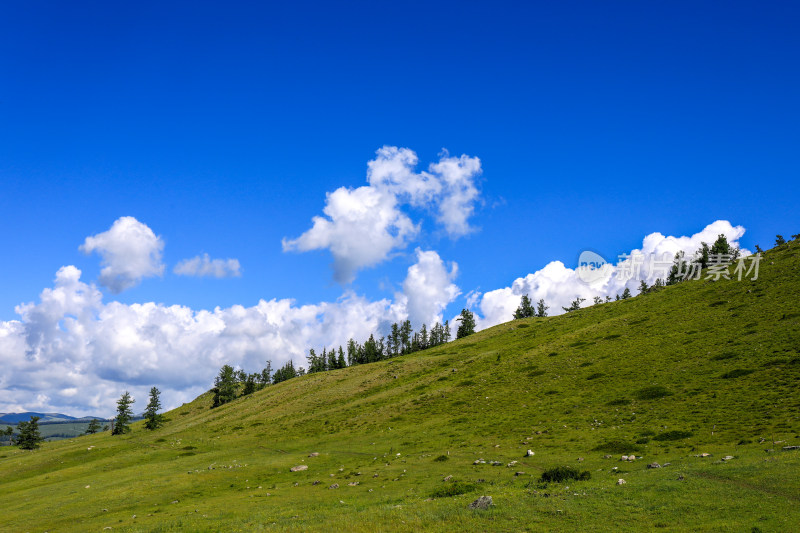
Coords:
525,308
779,240
93,427
423,337
340,362
575,305
626,293
124,414
643,288
395,336
467,324
679,269
28,436
405,336
152,418
446,332
224,386
284,373
541,308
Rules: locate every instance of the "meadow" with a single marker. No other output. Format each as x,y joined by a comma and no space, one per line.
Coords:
700,378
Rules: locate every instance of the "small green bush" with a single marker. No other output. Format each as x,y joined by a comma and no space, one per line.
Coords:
442,458
737,373
596,375
652,393
619,401
563,473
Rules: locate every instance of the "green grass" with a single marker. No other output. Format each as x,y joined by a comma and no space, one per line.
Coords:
660,363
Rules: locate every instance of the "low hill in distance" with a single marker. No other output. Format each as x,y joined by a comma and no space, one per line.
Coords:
13,418
697,381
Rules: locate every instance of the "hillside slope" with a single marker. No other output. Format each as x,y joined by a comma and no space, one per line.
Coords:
698,368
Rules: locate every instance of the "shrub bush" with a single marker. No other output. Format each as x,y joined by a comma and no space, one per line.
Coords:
563,473
652,393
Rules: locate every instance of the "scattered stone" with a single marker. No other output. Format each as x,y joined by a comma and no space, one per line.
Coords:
296,483
375,475
787,448
529,453
623,458
496,463
482,503
519,474
448,478
496,445
512,463
174,501
727,458
703,455
680,477
665,465
87,486
299,468
654,465
621,481
334,486
615,468
105,510
606,457
478,461
316,482
353,483
314,454
580,459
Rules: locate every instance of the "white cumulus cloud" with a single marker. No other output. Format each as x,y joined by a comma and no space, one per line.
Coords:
559,285
130,251
204,266
428,288
361,227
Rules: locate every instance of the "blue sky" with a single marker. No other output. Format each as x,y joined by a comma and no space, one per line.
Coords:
222,127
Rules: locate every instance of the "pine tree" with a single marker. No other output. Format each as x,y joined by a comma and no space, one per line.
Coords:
679,269
541,308
153,419
124,414
332,359
779,240
405,336
266,375
249,384
575,305
702,255
626,293
28,436
643,288
341,363
446,332
395,336
525,308
467,325
93,427
224,386
424,342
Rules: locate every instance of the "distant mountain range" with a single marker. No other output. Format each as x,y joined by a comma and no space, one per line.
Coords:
14,418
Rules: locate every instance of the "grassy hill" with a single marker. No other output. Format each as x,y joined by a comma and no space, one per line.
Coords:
697,368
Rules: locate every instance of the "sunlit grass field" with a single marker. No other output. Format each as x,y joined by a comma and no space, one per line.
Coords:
698,368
